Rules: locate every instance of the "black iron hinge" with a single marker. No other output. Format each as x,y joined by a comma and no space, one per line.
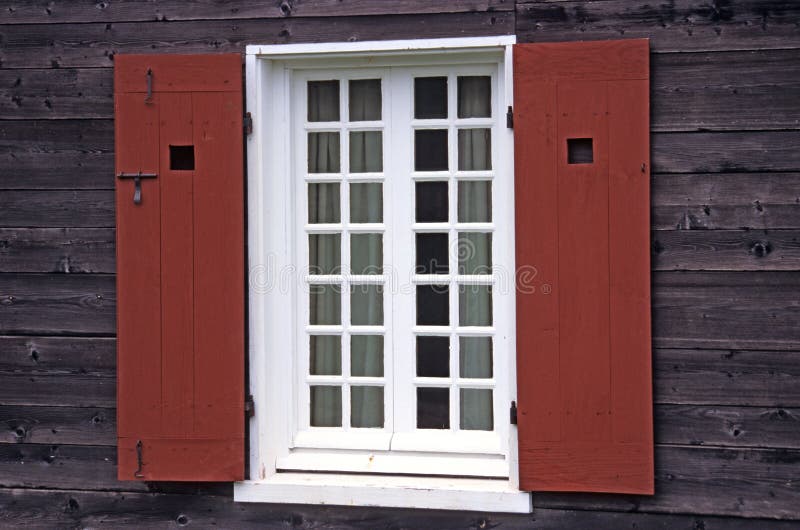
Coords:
248,123
249,406
513,413
510,117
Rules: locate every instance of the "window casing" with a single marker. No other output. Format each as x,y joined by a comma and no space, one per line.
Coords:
293,263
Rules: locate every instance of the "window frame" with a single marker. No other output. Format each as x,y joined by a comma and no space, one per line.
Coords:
272,268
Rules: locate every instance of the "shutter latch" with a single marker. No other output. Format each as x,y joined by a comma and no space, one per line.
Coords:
138,472
137,183
510,117
248,123
249,406
513,413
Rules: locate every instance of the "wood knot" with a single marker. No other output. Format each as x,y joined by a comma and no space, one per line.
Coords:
182,520
72,506
286,8
760,248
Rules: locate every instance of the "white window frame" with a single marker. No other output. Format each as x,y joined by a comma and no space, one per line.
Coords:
273,273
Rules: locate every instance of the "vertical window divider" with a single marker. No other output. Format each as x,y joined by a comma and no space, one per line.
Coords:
452,141
344,193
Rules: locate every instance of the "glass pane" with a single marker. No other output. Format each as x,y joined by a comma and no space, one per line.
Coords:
432,305
476,409
366,355
324,253
474,305
475,97
365,99
366,406
474,201
430,150
323,152
432,255
366,151
475,357
323,100
474,253
326,406
326,355
433,408
366,203
430,98
433,356
366,253
323,203
325,304
474,149
366,305
431,202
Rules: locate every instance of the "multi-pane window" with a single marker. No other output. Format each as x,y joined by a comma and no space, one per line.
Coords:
402,339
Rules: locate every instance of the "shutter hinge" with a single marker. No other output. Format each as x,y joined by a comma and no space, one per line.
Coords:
513,413
248,123
249,406
510,117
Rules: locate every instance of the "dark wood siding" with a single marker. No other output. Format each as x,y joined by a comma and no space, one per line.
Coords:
726,255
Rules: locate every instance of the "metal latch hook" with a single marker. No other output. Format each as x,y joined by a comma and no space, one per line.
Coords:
137,183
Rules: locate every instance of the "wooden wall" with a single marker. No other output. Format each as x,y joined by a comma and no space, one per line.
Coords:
725,247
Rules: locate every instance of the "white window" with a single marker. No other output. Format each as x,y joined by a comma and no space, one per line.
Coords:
382,288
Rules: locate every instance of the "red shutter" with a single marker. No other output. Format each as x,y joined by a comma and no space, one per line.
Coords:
180,267
582,246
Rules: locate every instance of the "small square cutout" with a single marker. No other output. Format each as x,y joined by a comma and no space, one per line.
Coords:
181,157
580,151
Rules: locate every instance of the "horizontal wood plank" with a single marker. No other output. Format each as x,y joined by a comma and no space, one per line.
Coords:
91,509
63,154
44,12
728,152
54,355
732,250
680,25
58,425
65,250
95,44
741,310
57,208
730,377
57,304
704,480
761,201
760,85
776,427
74,390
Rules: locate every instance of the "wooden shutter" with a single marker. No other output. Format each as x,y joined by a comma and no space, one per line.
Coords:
180,267
582,249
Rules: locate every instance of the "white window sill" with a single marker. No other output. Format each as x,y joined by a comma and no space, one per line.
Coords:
483,495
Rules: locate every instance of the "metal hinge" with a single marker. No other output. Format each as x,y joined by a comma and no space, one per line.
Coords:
510,117
513,413
249,406
248,123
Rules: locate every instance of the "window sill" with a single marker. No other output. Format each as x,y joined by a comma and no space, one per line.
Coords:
385,491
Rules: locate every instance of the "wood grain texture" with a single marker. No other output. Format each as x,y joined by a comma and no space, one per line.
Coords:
730,377
18,12
95,44
66,155
57,425
82,355
705,480
59,250
681,25
79,390
742,310
761,85
729,426
73,304
90,509
726,201
62,208
734,250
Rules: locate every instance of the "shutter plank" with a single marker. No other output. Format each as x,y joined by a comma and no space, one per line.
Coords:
583,318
